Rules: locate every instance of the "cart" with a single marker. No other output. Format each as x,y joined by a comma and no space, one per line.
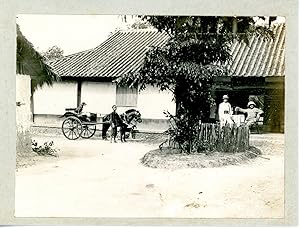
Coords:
77,125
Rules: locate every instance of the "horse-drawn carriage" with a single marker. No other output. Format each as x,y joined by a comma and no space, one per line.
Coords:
78,124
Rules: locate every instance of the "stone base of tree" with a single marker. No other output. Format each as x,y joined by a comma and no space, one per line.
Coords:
169,158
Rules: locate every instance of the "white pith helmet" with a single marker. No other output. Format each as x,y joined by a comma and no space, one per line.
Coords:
251,103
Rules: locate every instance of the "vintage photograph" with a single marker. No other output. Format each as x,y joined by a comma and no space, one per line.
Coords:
150,116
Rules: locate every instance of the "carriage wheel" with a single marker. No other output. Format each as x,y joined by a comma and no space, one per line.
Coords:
72,128
88,131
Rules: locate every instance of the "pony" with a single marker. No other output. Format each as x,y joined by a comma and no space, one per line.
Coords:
128,122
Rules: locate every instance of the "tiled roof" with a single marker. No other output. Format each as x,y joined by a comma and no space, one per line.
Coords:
262,57
124,51
119,54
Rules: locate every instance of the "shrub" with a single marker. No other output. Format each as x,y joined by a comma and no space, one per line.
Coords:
45,149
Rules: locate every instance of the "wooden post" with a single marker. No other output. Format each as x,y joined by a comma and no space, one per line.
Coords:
79,85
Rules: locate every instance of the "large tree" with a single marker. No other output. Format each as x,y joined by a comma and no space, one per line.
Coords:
198,50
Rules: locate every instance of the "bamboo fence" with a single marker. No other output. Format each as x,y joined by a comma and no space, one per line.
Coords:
213,137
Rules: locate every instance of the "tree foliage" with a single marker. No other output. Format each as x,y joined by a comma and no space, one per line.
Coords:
53,53
197,51
140,24
32,63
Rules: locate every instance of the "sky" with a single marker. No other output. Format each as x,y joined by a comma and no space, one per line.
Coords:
72,33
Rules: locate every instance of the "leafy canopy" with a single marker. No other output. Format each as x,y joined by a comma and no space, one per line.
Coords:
198,48
32,63
197,51
53,53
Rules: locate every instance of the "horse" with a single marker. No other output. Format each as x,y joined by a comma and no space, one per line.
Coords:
128,121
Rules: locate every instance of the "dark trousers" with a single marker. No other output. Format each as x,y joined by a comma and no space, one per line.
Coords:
114,131
105,127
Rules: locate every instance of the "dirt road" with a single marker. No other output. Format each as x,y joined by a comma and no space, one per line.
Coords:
93,178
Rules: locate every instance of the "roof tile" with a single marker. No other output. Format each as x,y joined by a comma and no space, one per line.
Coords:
124,52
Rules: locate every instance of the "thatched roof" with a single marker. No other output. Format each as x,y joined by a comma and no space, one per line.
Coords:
30,62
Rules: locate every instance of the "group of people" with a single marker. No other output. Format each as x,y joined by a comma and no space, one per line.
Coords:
225,112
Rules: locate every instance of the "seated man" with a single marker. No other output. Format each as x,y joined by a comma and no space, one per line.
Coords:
80,108
253,113
82,115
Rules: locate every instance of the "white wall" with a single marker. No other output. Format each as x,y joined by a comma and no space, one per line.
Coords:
23,93
152,103
99,96
54,99
23,114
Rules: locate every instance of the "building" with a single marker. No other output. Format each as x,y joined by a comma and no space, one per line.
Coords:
256,70
31,71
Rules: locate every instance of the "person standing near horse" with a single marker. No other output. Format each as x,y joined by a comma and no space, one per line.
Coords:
225,112
127,123
253,113
115,121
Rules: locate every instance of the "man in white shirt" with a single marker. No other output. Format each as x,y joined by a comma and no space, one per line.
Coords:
225,112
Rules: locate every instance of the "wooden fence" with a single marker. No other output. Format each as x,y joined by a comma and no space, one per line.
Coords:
212,137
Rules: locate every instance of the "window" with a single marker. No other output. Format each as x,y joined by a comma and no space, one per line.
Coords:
127,97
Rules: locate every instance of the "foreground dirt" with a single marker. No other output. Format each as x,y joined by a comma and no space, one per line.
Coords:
93,178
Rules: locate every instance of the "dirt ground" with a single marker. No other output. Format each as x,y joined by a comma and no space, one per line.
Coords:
93,178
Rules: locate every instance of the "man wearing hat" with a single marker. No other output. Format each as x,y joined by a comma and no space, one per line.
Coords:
253,113
83,115
225,112
80,108
115,121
